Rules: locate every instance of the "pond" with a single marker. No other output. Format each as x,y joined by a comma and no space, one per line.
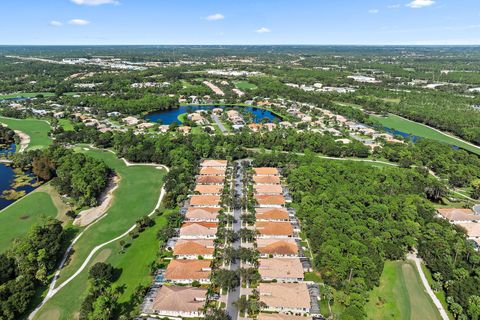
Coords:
169,116
7,176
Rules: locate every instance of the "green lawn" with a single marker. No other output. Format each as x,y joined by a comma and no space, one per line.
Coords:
398,123
245,85
182,117
66,124
135,197
36,129
27,95
401,295
17,219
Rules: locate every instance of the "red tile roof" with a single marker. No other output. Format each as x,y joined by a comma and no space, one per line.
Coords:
274,228
188,270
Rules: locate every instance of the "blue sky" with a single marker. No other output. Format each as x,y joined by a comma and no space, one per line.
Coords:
73,22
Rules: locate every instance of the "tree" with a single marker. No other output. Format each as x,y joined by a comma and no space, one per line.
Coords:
102,272
474,307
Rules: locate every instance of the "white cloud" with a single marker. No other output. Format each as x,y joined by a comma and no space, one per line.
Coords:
215,17
79,22
393,6
56,23
263,30
373,11
420,3
94,2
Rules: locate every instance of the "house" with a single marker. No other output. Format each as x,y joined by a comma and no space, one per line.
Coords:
270,201
270,126
179,302
268,229
215,163
285,297
198,230
285,124
209,171
202,214
472,229
272,214
187,271
192,249
145,125
163,128
280,316
268,189
130,121
210,189
455,215
255,127
202,201
266,180
184,129
281,269
211,180
266,171
277,247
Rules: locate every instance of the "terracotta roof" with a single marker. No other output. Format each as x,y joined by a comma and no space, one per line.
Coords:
284,295
204,200
453,214
210,179
266,171
208,189
198,229
274,228
268,188
214,163
188,270
267,199
272,214
202,213
193,247
280,268
277,246
472,228
266,180
280,316
212,171
176,298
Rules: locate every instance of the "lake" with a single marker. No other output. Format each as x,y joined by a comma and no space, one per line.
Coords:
169,116
7,175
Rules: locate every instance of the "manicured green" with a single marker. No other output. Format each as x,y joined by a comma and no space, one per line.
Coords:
136,196
245,85
182,117
401,124
66,124
26,95
17,219
36,129
401,295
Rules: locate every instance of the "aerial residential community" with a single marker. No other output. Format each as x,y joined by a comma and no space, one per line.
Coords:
240,160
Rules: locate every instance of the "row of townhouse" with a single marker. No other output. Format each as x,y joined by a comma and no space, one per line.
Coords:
194,248
466,218
282,289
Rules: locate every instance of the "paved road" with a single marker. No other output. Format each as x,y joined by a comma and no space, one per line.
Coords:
413,257
234,295
219,123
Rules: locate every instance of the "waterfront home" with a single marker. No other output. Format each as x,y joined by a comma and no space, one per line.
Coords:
266,180
277,247
281,269
188,271
285,297
268,229
270,201
272,214
458,215
198,230
193,249
207,214
209,189
179,302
